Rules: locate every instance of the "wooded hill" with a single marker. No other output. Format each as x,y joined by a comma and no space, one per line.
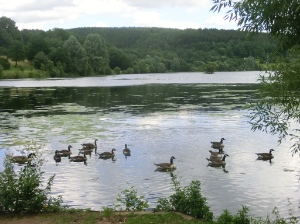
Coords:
97,51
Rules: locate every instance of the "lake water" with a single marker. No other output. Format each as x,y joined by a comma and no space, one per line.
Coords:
157,116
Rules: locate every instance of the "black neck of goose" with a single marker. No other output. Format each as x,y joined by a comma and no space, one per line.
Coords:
270,152
171,161
112,151
221,140
95,142
69,148
223,158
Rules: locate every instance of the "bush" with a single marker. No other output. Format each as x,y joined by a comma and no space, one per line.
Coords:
187,200
22,192
131,201
5,63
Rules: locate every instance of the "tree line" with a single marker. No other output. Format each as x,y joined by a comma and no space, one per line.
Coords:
87,51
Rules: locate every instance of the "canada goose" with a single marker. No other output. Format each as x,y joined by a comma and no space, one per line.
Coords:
90,145
217,162
219,144
166,166
65,152
78,158
85,150
126,151
57,157
106,155
219,153
22,159
265,156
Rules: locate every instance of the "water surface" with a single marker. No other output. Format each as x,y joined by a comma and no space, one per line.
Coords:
157,116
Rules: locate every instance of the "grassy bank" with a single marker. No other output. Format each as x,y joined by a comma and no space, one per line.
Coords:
90,217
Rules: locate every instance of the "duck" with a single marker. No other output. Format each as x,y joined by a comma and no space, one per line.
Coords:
57,157
78,158
219,153
219,144
106,155
65,152
219,162
265,156
166,166
126,151
90,145
23,159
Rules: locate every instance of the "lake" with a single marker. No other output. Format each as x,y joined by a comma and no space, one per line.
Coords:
157,116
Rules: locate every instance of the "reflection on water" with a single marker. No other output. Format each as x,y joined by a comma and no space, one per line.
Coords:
156,122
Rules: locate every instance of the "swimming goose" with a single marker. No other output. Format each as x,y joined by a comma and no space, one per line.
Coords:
86,150
90,145
106,155
65,152
265,156
219,153
166,166
218,145
78,158
22,159
57,157
126,151
217,162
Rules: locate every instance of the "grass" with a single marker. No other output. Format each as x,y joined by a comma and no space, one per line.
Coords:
23,70
92,217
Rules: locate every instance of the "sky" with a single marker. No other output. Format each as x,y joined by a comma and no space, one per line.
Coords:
66,14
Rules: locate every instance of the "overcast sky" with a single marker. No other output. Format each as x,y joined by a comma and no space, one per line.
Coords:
49,14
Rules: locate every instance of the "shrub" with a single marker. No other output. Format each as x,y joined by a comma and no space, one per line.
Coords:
187,200
5,63
22,192
131,201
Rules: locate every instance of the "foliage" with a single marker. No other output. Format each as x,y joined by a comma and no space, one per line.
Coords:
279,18
40,59
4,62
131,201
77,58
16,52
22,191
97,54
187,200
279,108
210,67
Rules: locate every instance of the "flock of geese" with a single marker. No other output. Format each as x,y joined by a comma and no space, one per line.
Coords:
216,159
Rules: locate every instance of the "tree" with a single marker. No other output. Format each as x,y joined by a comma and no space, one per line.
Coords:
16,52
278,111
77,59
96,50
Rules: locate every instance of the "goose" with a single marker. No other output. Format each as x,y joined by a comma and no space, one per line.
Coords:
219,144
57,157
126,151
78,158
90,145
166,166
65,152
217,162
265,156
219,153
106,155
22,159
85,150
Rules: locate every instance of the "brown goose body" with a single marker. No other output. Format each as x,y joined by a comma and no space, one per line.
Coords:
57,157
217,162
166,166
90,145
78,158
22,159
105,155
266,155
218,145
65,152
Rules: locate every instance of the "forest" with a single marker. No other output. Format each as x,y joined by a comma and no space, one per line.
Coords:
91,51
